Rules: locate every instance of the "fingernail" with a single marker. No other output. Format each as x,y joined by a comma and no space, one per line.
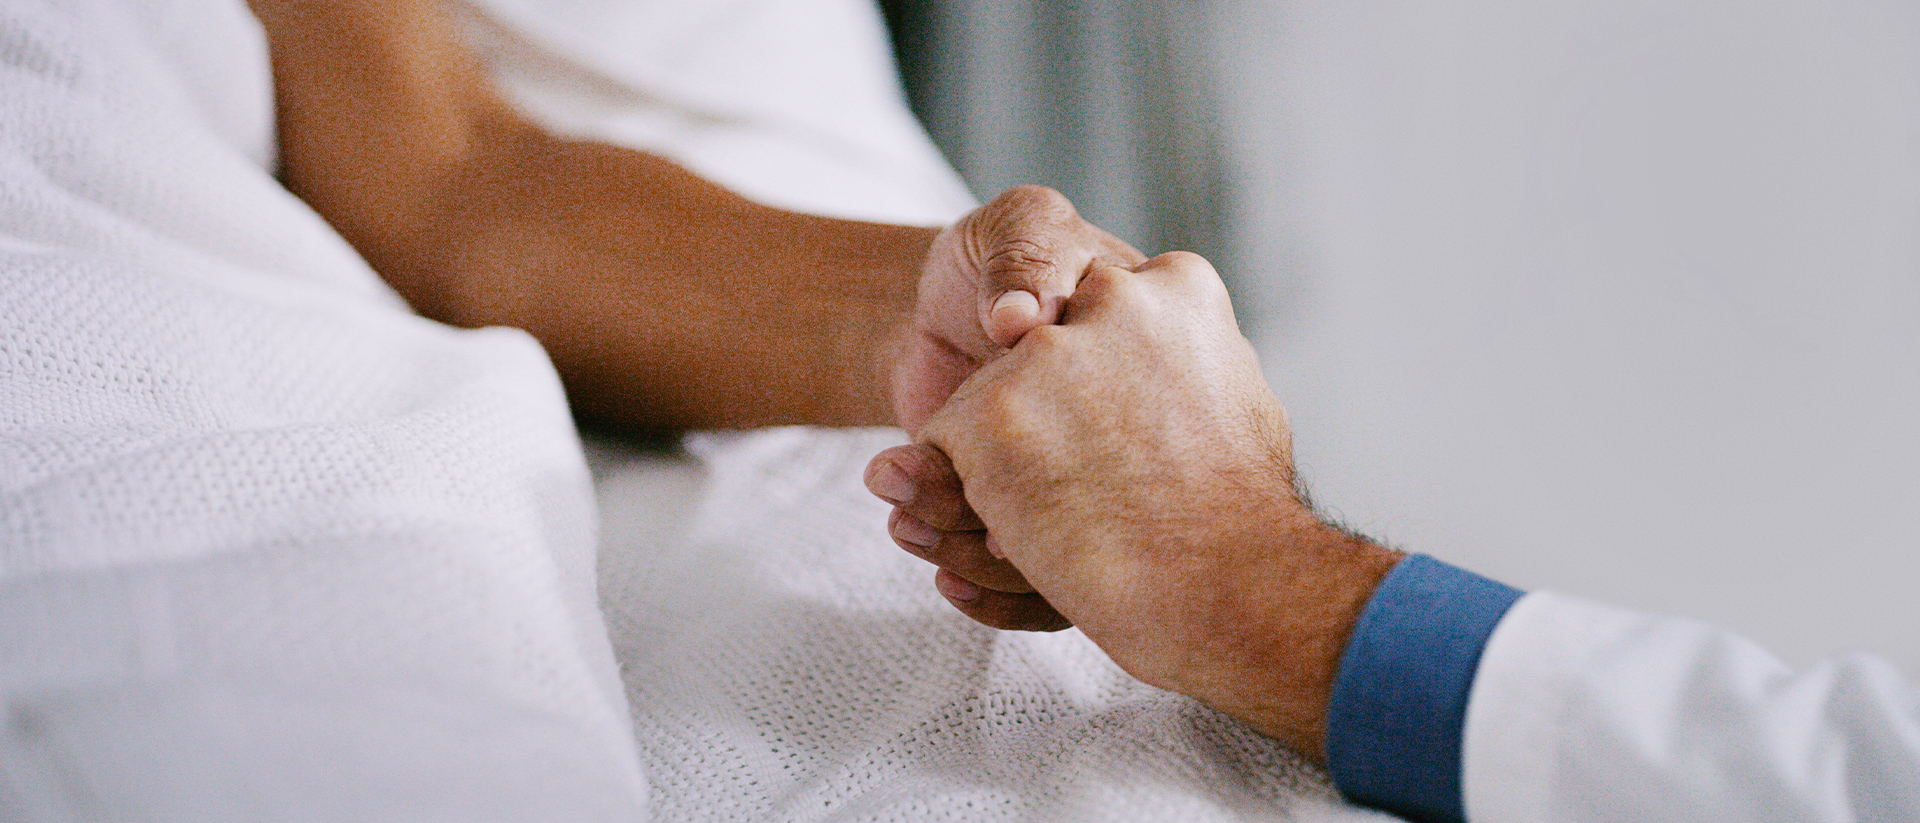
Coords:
1018,304
955,587
914,530
1013,313
891,483
993,547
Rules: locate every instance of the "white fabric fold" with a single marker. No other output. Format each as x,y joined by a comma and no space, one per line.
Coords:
1584,713
793,103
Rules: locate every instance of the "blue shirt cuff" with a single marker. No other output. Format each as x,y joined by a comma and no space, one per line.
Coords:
1394,730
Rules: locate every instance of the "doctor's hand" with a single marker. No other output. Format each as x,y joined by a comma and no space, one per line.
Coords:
1134,468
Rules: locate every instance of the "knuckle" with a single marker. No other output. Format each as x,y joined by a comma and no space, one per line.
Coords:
1017,255
1105,278
1022,231
1189,269
1192,275
937,431
947,513
1107,283
1183,261
1033,200
1009,415
965,554
950,427
922,462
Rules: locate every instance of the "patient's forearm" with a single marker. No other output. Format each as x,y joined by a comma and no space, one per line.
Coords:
665,300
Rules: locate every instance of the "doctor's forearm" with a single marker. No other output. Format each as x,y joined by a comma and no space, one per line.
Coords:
666,301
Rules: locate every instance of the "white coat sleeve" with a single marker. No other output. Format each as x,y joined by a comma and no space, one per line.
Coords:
1584,712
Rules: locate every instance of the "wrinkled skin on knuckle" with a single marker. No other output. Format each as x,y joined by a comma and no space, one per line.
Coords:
1018,230
1036,230
1023,238
1017,255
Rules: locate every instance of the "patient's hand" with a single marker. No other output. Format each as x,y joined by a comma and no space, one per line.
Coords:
932,520
1003,269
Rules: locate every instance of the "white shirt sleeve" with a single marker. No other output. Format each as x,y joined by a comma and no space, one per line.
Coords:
1585,712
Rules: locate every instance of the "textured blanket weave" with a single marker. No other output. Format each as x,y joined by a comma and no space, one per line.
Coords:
785,661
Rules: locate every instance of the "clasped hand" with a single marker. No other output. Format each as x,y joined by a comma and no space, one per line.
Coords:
1111,458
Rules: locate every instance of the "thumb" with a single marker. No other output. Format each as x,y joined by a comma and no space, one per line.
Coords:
1013,314
1031,248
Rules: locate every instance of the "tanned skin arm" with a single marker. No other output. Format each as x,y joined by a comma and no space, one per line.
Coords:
665,301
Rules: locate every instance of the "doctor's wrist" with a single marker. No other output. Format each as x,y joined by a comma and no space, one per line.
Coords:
1278,668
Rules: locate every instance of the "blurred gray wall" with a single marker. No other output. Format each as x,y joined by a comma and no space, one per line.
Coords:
1610,297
